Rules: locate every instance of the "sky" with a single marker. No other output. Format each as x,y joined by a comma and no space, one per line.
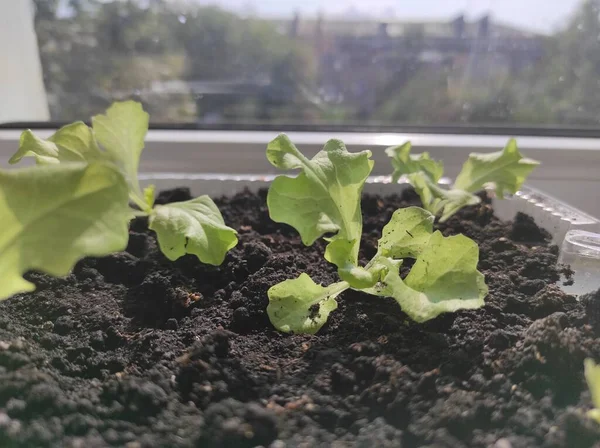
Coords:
543,16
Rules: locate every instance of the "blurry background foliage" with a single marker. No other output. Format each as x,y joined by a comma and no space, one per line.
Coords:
198,64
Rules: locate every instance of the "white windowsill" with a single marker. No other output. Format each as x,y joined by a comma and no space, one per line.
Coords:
569,170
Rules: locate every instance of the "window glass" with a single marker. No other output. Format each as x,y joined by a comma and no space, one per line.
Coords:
318,62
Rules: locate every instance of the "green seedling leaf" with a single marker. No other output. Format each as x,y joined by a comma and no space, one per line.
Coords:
592,377
121,132
324,198
451,201
407,233
438,200
446,272
302,306
53,216
149,195
75,202
192,227
405,163
443,279
72,143
45,152
506,170
424,174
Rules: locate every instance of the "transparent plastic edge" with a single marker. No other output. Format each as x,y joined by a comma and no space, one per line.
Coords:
555,216
549,213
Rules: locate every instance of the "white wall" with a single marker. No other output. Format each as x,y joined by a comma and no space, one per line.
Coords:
22,93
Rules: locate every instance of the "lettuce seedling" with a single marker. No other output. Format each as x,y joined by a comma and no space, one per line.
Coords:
76,201
505,171
324,201
592,377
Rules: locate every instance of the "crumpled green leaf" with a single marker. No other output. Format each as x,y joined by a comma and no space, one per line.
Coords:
423,173
192,227
75,202
72,143
121,132
443,279
506,170
301,306
405,163
53,217
451,201
438,200
592,377
324,198
406,234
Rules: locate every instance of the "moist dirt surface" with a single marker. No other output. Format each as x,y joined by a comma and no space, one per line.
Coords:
134,351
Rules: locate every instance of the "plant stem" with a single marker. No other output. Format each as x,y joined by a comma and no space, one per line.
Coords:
139,213
373,260
339,287
140,203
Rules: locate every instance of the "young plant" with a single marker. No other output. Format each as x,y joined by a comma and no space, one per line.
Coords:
324,199
592,377
75,202
504,170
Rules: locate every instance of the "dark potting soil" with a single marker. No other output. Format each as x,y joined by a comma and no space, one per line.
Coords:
132,350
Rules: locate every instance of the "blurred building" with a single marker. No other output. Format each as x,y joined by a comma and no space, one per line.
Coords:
359,58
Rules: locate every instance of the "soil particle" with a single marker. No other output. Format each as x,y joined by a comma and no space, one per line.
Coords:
525,230
233,423
134,351
173,195
591,302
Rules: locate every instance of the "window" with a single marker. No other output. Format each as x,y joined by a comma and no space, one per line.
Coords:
384,63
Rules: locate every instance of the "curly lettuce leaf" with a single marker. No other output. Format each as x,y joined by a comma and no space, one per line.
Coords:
75,202
56,215
324,198
406,234
405,163
72,143
451,201
302,306
121,132
443,279
506,170
438,200
192,227
592,377
424,174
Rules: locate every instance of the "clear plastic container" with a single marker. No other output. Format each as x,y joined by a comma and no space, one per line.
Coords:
581,250
575,232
